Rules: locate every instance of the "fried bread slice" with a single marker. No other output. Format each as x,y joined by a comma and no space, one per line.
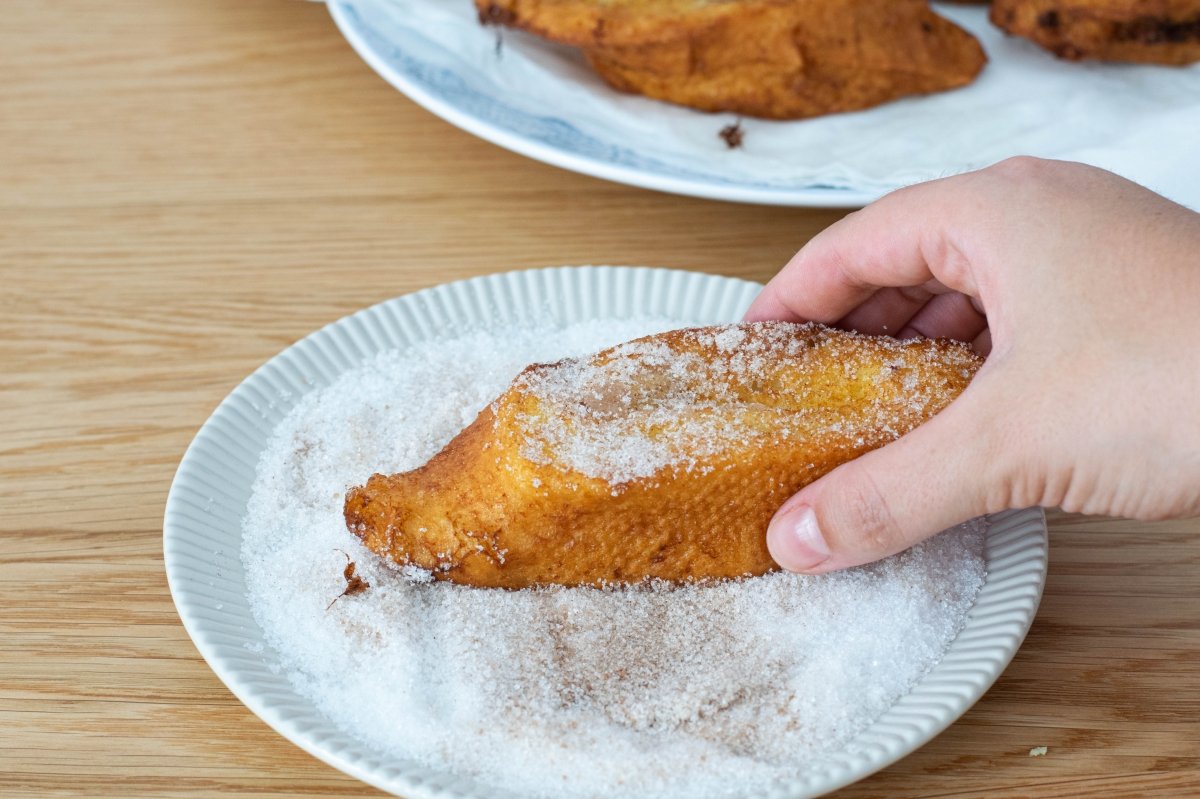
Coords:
1145,31
781,59
663,458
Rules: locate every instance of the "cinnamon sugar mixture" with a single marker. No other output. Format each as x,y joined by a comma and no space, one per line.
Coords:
720,689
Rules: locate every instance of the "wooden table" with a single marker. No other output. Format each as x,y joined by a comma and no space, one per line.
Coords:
188,187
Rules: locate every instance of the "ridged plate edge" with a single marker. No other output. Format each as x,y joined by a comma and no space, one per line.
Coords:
207,500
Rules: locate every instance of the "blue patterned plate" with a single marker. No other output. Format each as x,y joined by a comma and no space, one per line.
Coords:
541,100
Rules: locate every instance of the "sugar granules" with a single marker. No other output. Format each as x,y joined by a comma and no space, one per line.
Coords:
654,405
721,689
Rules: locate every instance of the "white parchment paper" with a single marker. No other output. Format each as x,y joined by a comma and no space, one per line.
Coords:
1139,121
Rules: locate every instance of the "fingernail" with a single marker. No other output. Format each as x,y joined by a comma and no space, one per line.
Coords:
795,541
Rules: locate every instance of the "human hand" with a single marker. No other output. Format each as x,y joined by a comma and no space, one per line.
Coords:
1085,290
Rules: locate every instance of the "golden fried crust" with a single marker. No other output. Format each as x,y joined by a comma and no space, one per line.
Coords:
781,59
662,458
1145,31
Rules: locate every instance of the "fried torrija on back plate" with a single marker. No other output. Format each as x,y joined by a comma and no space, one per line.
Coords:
1145,31
779,59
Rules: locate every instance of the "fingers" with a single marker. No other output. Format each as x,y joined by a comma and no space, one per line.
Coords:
938,475
982,343
946,316
907,239
887,310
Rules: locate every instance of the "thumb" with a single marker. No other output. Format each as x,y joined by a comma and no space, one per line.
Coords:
889,499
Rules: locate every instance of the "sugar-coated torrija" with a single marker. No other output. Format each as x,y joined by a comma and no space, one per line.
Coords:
662,458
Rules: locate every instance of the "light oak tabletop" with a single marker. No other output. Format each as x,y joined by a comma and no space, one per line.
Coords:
188,187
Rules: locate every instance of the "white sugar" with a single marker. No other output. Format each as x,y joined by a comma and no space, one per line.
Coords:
717,689
651,405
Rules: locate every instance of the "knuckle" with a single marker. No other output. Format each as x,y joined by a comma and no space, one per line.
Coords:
837,262
1017,471
917,295
953,265
1005,474
1023,167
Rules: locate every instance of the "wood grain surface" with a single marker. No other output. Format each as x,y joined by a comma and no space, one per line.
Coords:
188,187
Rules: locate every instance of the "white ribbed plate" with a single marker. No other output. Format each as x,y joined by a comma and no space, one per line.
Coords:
202,528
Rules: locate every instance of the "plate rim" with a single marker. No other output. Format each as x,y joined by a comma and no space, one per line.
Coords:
831,197
355,758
